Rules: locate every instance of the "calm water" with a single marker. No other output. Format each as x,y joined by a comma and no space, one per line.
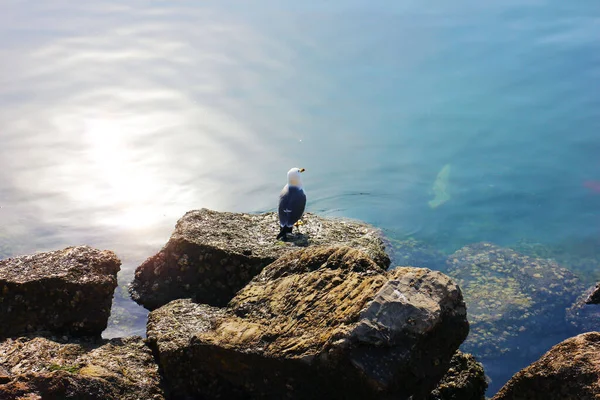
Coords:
117,117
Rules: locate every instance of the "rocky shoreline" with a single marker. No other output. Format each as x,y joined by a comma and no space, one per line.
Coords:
236,314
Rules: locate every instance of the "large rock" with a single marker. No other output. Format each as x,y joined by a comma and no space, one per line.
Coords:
568,371
323,322
465,380
211,255
66,291
510,296
39,368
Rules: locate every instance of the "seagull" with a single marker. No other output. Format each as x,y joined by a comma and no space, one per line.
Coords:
292,201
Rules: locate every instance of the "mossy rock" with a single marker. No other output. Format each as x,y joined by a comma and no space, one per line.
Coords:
70,368
211,255
510,295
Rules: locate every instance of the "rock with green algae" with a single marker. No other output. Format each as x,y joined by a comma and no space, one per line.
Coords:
67,291
509,295
67,368
465,380
211,255
581,257
324,322
568,371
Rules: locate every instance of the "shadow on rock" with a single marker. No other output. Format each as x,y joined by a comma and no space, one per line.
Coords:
211,255
324,322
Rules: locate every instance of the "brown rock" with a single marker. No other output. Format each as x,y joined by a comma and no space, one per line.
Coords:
211,255
568,371
39,368
317,323
4,375
66,291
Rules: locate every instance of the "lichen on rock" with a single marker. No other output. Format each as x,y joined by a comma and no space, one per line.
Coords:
211,255
324,322
66,291
568,371
69,368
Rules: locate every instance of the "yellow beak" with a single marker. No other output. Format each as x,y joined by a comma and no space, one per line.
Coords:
302,170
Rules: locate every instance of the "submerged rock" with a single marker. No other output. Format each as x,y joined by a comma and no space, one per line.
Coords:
509,295
568,371
39,368
415,253
324,322
66,291
465,380
583,315
211,255
580,256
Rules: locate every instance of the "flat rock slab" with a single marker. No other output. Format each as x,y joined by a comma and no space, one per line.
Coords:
568,371
40,368
66,291
211,255
510,296
324,322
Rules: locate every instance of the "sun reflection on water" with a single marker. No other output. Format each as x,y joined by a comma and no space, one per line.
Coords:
125,125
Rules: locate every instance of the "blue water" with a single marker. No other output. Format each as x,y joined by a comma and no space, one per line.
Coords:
117,117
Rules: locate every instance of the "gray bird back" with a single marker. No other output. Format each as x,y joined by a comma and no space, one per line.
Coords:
292,202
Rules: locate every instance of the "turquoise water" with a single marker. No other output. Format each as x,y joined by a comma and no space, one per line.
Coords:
117,117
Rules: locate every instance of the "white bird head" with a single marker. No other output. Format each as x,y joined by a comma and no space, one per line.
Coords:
294,178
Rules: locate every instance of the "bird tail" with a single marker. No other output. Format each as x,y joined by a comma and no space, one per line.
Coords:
284,231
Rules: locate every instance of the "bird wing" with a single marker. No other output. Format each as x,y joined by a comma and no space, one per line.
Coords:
292,202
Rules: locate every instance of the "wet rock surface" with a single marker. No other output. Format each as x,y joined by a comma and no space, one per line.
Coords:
465,380
568,371
40,368
594,297
66,291
324,322
510,295
211,255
